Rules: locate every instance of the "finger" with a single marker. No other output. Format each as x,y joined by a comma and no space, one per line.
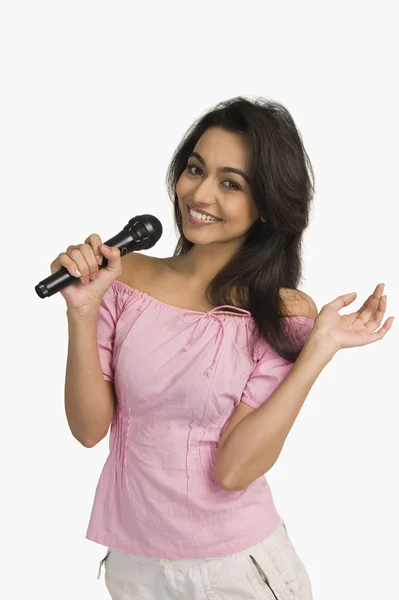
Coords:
76,255
378,335
67,262
342,301
95,242
89,257
368,310
113,255
378,314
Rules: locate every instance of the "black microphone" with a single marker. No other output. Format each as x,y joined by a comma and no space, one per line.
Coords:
142,232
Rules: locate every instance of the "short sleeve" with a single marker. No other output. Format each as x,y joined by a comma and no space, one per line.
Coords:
106,326
271,369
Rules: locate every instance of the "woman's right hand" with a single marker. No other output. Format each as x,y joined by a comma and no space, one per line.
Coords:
94,281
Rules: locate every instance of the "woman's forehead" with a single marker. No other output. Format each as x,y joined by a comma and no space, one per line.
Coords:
221,148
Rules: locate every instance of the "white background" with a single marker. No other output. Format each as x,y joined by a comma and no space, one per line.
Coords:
95,96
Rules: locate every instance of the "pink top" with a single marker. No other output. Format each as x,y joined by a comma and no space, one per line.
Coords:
179,374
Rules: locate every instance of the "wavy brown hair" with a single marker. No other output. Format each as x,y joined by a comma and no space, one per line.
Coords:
282,184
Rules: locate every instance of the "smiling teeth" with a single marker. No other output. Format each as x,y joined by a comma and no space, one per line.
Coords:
202,217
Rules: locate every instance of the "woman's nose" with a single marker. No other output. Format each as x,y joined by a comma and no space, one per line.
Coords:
204,192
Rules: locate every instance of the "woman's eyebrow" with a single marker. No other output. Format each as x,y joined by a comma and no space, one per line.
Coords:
221,169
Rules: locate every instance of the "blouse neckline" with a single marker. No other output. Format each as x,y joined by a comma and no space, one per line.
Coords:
244,313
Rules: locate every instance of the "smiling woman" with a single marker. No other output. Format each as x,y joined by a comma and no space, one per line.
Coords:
205,191
208,357
263,207
200,347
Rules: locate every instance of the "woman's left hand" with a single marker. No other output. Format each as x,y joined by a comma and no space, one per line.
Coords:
357,328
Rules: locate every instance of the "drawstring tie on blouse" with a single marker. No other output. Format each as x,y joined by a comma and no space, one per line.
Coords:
219,340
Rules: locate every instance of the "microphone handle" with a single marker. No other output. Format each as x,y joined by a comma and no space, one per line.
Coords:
62,278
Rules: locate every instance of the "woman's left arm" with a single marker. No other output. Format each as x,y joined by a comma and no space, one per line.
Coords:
256,442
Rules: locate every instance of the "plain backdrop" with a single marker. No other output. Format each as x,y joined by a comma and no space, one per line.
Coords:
95,97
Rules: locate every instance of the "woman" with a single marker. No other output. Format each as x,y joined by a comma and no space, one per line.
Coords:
201,363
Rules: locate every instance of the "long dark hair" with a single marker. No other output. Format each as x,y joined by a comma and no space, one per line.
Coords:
282,184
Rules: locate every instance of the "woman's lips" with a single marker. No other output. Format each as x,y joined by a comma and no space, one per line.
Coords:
195,221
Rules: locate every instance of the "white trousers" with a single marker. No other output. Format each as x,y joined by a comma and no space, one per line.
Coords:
270,570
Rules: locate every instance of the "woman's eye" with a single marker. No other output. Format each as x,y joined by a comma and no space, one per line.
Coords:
192,167
236,187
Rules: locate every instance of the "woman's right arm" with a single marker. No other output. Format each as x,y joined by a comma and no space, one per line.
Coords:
89,398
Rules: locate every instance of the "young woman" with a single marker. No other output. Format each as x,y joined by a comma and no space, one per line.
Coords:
201,362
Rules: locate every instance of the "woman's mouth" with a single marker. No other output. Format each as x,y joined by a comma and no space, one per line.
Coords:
199,219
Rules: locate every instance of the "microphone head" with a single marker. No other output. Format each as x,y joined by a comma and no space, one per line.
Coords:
152,224
145,230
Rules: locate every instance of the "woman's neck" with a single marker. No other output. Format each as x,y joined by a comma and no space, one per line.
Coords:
202,263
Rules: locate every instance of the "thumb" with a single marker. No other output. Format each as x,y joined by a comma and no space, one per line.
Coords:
113,256
343,300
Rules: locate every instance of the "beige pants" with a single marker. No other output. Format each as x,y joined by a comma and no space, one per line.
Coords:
270,570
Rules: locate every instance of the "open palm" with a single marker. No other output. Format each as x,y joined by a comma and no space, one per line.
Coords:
358,328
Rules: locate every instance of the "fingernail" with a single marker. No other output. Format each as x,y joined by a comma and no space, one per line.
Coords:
106,248
99,258
78,273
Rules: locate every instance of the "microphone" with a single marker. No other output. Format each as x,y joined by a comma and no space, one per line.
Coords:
141,232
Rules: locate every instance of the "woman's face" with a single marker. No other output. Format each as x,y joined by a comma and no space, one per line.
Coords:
225,195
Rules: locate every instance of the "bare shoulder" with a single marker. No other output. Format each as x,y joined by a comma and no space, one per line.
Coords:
138,268
298,303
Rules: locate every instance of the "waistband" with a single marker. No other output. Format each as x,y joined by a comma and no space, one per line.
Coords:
273,540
